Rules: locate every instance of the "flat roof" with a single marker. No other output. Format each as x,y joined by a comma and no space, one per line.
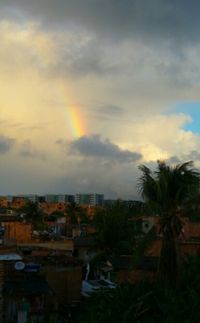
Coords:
67,245
10,257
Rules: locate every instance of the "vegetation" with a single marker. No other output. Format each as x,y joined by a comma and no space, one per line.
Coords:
148,302
76,214
115,231
33,214
167,191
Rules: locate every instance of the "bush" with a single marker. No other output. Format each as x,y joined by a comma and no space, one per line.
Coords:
149,302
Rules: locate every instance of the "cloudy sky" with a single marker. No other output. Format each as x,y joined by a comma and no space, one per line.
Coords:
90,89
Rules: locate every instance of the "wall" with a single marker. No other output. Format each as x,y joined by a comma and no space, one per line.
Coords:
18,232
66,283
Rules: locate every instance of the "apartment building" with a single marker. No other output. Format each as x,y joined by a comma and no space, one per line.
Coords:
59,198
90,199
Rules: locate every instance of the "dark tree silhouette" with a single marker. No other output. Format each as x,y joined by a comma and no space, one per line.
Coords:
167,190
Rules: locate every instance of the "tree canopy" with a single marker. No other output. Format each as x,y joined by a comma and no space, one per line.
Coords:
167,190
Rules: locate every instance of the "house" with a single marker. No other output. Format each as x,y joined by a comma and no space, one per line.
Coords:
16,232
42,280
56,225
50,208
4,202
20,284
18,202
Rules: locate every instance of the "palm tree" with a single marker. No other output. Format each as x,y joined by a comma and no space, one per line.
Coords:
167,190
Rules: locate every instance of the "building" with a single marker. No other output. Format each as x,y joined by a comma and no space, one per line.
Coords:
4,201
16,232
89,199
52,198
41,199
59,198
109,203
31,197
69,198
30,275
18,202
50,208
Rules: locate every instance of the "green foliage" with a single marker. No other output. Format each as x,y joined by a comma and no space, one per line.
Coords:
149,302
190,278
57,214
167,191
76,213
142,245
119,305
168,188
114,230
194,217
192,208
34,215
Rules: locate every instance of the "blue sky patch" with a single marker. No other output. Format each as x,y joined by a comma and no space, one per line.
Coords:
192,109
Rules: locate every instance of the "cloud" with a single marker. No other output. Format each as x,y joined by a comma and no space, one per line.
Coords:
6,144
110,110
116,19
28,151
193,155
173,160
95,146
87,58
130,70
120,65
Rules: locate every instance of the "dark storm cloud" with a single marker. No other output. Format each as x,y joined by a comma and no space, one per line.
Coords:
6,144
162,33
168,19
89,58
94,146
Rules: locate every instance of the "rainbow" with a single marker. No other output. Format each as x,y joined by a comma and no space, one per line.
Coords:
75,121
76,125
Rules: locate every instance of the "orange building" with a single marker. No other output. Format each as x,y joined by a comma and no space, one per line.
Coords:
49,208
4,201
16,232
18,202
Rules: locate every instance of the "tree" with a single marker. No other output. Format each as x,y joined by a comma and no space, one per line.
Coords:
115,233
167,190
33,214
76,214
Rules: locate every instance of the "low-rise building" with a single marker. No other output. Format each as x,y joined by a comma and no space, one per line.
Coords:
16,232
40,280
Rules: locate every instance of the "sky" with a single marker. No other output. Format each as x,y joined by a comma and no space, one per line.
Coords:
91,89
